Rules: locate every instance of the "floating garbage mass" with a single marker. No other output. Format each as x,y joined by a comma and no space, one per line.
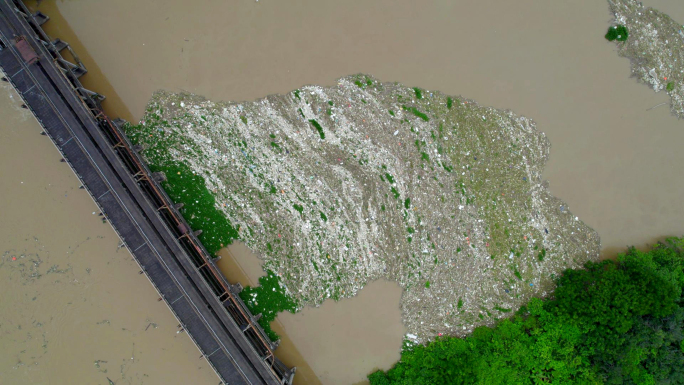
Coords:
337,186
654,43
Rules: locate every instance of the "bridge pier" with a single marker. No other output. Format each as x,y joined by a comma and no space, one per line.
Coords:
119,123
159,176
288,376
59,44
40,17
236,289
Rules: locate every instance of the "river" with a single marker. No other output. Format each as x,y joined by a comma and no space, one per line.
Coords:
613,162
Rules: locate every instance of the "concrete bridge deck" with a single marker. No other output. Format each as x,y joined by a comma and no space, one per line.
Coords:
133,202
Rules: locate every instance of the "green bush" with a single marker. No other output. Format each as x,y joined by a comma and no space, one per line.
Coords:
612,322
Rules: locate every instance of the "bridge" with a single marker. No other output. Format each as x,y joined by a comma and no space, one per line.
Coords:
131,199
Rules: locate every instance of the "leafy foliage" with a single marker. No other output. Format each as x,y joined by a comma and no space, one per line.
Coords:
267,299
416,112
318,128
184,186
200,210
614,322
618,33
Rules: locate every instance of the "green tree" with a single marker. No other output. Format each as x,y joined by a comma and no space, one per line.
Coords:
615,322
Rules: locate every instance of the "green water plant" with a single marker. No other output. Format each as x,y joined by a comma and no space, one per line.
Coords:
185,186
200,210
267,299
618,32
318,128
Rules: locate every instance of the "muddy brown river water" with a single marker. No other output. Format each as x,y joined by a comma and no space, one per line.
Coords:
73,308
615,164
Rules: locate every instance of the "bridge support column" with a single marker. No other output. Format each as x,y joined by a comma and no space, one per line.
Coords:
159,176
59,44
288,376
118,122
236,289
40,17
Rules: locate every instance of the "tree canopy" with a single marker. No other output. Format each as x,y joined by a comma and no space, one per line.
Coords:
613,322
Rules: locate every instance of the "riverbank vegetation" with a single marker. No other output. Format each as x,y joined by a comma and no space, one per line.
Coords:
613,322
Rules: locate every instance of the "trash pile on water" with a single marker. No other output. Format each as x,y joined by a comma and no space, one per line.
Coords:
655,47
337,186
